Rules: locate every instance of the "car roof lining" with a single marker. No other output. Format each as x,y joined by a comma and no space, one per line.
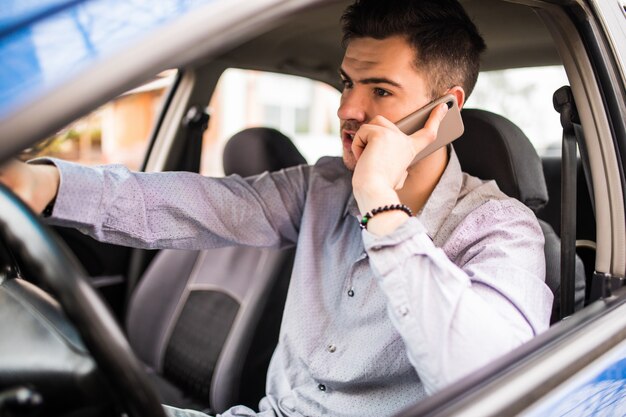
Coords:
299,46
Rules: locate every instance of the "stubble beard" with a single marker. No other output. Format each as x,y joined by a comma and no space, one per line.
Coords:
348,160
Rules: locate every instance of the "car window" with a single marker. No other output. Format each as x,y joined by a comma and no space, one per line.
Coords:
116,133
303,109
524,95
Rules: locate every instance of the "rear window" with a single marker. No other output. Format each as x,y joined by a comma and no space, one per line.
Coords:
302,109
524,95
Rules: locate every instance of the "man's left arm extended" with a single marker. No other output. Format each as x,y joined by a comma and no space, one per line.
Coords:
456,316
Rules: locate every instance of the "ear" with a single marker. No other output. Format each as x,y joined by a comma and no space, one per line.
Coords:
459,93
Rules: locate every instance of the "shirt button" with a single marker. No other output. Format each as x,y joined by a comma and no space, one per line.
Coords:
331,348
321,387
404,311
350,292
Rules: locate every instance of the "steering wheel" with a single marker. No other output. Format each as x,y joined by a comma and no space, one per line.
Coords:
58,269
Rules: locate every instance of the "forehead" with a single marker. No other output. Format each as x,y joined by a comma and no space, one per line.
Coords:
387,56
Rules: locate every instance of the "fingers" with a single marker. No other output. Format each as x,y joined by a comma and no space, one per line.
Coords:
382,121
377,126
358,143
380,127
434,120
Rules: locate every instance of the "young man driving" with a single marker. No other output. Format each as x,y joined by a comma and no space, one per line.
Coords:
443,280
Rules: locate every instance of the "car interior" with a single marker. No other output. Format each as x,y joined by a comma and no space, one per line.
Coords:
204,330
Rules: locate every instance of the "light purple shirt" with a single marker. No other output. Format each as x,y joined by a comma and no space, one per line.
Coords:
371,324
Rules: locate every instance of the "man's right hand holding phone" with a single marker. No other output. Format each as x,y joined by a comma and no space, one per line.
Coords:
384,154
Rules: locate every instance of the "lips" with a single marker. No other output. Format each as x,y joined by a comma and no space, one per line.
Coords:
346,138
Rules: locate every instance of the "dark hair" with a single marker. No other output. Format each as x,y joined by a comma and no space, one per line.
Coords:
446,42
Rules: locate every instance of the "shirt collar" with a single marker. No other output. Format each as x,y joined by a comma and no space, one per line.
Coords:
444,197
440,203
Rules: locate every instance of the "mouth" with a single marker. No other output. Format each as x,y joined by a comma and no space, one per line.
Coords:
347,137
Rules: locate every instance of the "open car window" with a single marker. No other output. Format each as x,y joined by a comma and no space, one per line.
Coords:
116,133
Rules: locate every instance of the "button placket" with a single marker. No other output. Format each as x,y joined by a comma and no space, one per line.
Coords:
352,271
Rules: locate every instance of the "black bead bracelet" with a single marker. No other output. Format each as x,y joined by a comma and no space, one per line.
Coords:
390,207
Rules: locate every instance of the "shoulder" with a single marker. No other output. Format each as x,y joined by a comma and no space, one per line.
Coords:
331,164
484,212
331,169
483,200
481,211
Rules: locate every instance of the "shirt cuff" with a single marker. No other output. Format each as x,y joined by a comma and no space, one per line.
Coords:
79,195
404,232
387,252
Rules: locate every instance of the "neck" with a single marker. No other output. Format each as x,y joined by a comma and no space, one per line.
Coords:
422,180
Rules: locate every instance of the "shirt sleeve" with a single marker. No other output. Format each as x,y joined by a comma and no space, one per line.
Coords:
180,210
455,317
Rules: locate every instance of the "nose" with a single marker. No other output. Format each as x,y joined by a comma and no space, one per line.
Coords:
352,106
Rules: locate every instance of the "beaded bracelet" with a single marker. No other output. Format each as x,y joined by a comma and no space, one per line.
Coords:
390,207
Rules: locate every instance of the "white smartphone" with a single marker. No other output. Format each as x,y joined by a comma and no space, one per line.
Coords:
451,126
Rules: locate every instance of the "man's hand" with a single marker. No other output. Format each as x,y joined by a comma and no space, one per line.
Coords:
36,185
384,154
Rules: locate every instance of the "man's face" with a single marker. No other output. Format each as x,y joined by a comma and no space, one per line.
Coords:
379,78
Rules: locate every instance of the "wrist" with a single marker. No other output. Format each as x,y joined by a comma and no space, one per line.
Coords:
374,195
387,222
46,180
388,218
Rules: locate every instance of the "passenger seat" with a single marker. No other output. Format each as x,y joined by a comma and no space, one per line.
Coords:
206,322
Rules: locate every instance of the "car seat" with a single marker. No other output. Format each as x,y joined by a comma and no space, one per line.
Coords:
494,148
200,320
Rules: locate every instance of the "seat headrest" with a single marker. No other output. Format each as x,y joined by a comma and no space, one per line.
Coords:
494,148
259,149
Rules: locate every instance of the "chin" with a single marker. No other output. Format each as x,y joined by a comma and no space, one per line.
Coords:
349,161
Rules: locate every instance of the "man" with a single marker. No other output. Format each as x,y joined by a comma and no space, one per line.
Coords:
379,317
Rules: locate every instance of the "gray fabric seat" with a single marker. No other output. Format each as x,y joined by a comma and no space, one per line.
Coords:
493,147
201,319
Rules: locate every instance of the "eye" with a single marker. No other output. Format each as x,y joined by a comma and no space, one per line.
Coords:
381,92
347,84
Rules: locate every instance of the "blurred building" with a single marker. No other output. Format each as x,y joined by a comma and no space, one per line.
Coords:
119,131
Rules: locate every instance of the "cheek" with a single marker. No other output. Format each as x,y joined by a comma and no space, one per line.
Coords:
401,110
391,111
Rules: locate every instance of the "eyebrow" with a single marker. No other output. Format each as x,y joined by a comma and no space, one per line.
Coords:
371,80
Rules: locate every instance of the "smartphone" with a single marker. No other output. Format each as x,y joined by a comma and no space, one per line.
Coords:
451,126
